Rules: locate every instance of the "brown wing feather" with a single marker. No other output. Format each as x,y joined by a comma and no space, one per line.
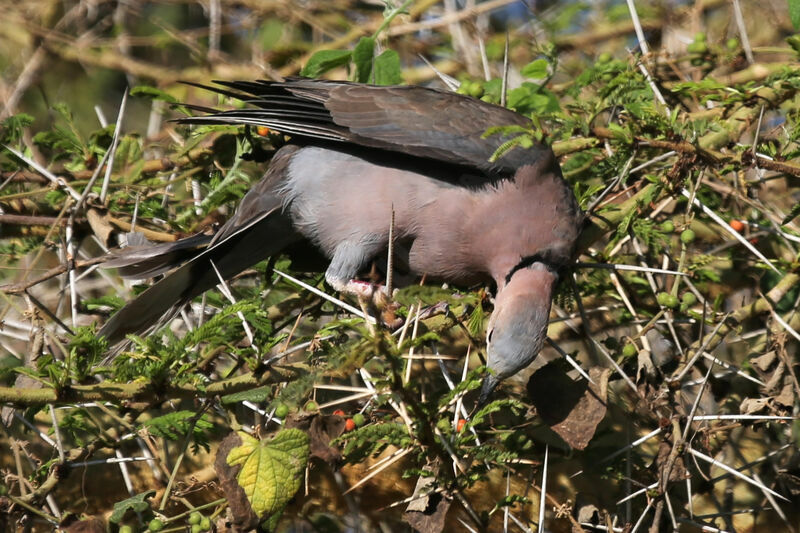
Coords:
416,121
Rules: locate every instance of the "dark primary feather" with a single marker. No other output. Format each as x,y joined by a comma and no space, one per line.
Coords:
260,237
149,260
417,121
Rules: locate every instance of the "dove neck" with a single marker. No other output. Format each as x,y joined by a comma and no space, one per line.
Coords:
536,276
543,261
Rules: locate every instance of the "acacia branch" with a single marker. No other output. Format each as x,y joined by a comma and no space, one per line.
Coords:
146,392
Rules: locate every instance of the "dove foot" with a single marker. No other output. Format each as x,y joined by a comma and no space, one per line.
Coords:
371,293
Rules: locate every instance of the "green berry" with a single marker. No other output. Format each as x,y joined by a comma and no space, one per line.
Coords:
3,489
629,350
687,236
667,226
487,98
359,419
205,524
475,89
794,42
607,76
310,405
155,525
667,300
196,528
281,410
195,518
700,37
697,48
604,58
732,44
463,88
125,529
688,298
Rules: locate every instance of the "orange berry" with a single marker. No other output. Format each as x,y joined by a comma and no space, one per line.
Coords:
349,424
461,424
338,412
737,225
263,131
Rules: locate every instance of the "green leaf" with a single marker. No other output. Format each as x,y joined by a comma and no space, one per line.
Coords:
271,469
325,60
363,54
256,395
532,98
175,426
387,69
620,133
137,504
794,13
535,69
792,214
475,321
11,128
153,93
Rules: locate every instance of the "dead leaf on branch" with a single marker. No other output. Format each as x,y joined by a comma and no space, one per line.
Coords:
321,429
271,471
428,511
572,409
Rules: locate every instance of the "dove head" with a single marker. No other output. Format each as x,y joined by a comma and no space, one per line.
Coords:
518,325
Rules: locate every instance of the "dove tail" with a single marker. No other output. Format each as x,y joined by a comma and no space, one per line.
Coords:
263,236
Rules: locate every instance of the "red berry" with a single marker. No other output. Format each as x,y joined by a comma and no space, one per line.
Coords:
349,424
737,225
338,412
263,131
461,424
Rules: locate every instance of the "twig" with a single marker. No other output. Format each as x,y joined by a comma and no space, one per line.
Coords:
737,12
113,149
543,492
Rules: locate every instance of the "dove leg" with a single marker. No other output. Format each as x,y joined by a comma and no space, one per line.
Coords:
348,259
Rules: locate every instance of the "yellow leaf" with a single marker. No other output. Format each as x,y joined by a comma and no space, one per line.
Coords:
272,469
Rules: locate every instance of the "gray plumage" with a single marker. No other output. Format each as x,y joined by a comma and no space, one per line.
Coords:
360,152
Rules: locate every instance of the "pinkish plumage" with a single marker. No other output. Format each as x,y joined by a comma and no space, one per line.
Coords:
360,152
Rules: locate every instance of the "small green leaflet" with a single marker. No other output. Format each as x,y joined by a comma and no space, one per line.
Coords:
325,60
536,70
387,69
137,504
792,214
362,58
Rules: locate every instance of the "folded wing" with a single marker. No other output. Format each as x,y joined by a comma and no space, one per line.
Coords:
416,121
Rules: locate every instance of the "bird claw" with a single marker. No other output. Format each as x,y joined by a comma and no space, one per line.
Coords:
375,294
376,297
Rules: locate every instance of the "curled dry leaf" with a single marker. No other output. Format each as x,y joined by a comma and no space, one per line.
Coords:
242,516
427,512
572,409
321,429
100,225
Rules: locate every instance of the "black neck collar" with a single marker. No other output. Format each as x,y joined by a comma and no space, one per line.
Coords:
544,258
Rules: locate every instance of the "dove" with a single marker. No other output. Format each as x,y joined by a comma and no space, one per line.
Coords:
358,157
